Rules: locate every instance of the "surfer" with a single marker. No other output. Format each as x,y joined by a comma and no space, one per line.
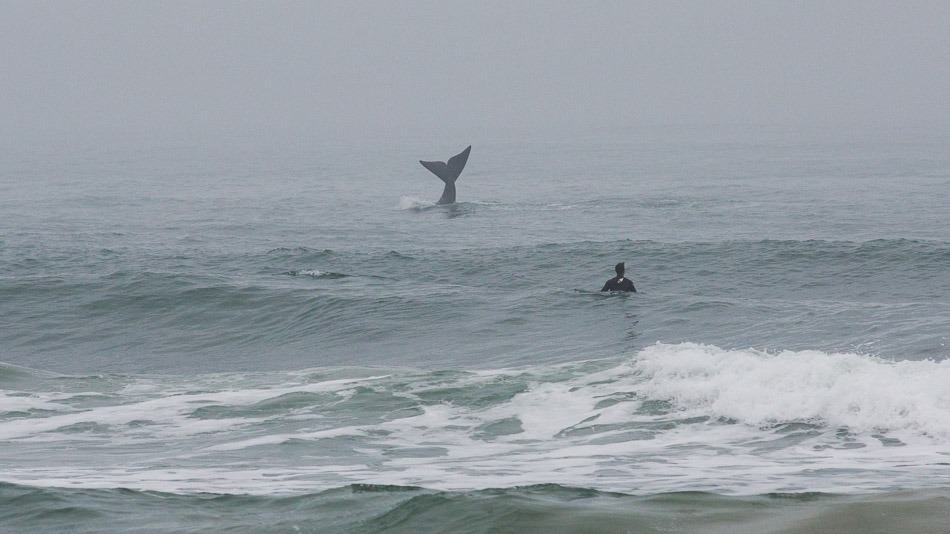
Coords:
619,283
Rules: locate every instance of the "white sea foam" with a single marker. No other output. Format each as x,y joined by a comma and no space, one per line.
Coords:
861,393
672,417
20,402
171,412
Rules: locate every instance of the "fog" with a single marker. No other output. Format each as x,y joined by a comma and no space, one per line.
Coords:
143,72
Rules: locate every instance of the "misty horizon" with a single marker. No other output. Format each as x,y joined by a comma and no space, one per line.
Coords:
110,72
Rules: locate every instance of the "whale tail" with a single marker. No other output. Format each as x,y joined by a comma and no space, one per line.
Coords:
448,173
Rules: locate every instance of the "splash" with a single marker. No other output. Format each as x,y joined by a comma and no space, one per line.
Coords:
413,203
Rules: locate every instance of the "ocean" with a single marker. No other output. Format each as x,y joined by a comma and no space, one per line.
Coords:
288,337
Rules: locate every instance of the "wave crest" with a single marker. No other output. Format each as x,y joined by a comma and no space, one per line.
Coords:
862,393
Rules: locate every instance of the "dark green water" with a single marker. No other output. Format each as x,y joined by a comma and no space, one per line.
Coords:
542,508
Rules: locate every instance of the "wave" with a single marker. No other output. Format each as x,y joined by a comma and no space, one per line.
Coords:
862,393
298,254
313,273
858,392
332,306
548,508
669,418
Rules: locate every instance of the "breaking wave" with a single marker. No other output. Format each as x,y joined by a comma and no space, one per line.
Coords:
669,418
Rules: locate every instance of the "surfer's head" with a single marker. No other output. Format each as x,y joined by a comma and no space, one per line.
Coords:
619,268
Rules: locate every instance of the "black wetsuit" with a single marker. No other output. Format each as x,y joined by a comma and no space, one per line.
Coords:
619,283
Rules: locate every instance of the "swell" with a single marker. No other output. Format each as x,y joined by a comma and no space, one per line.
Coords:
175,275
547,507
291,299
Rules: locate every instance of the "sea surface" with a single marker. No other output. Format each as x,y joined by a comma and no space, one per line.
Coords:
292,337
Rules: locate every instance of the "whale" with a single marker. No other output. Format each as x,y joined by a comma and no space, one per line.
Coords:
448,172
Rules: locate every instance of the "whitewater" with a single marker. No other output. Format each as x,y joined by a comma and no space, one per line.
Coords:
671,418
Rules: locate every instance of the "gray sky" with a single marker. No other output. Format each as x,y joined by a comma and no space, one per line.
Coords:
354,70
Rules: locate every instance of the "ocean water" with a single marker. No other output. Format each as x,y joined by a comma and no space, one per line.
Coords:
293,337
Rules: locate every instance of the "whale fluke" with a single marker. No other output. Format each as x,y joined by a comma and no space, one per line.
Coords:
448,173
